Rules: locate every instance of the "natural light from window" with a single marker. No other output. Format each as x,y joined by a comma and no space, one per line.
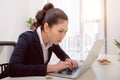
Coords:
84,25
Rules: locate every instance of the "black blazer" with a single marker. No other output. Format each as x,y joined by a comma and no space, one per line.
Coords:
27,58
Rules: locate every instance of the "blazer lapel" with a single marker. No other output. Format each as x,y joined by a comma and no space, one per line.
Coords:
49,53
37,43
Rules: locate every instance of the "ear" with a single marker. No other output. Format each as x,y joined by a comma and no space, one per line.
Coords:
46,27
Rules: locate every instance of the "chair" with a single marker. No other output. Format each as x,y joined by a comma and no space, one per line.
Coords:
3,66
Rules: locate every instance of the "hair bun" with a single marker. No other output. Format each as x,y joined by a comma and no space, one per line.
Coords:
48,6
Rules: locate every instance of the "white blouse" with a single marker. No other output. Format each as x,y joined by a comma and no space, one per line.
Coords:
44,48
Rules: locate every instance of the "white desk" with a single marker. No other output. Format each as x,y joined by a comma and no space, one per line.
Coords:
96,72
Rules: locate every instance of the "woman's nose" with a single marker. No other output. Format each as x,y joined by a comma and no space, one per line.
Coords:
63,35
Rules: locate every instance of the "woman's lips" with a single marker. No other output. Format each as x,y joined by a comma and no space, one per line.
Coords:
59,40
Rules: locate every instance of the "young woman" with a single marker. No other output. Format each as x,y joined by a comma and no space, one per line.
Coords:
34,48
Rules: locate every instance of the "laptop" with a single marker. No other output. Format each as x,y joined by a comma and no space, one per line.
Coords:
82,67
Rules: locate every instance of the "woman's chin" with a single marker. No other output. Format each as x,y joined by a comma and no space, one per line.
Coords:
56,43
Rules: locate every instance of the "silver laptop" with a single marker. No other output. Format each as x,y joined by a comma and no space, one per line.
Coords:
83,67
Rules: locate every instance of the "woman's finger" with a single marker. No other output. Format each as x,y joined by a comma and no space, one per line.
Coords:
68,64
74,64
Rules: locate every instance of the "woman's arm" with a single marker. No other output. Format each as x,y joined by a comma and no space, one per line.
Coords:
64,57
60,53
59,67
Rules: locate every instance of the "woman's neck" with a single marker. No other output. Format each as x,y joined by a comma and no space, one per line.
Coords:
44,37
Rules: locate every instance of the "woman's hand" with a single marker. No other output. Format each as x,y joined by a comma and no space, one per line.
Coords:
59,66
73,63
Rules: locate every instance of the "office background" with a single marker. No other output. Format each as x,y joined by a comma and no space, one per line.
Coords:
15,13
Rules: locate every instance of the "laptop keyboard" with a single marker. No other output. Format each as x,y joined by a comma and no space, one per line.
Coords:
68,72
71,72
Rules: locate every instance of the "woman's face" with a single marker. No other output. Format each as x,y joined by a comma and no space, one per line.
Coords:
57,32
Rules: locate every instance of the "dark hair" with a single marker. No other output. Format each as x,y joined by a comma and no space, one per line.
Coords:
49,15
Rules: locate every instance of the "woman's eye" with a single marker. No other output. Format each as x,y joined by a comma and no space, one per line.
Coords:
60,31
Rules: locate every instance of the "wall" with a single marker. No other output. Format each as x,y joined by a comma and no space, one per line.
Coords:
34,6
113,25
13,15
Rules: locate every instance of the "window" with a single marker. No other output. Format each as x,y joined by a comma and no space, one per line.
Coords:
85,24
93,28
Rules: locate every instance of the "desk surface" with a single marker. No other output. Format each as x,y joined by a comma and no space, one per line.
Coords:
96,72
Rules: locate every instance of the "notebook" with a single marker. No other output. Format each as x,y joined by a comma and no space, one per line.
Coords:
82,67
